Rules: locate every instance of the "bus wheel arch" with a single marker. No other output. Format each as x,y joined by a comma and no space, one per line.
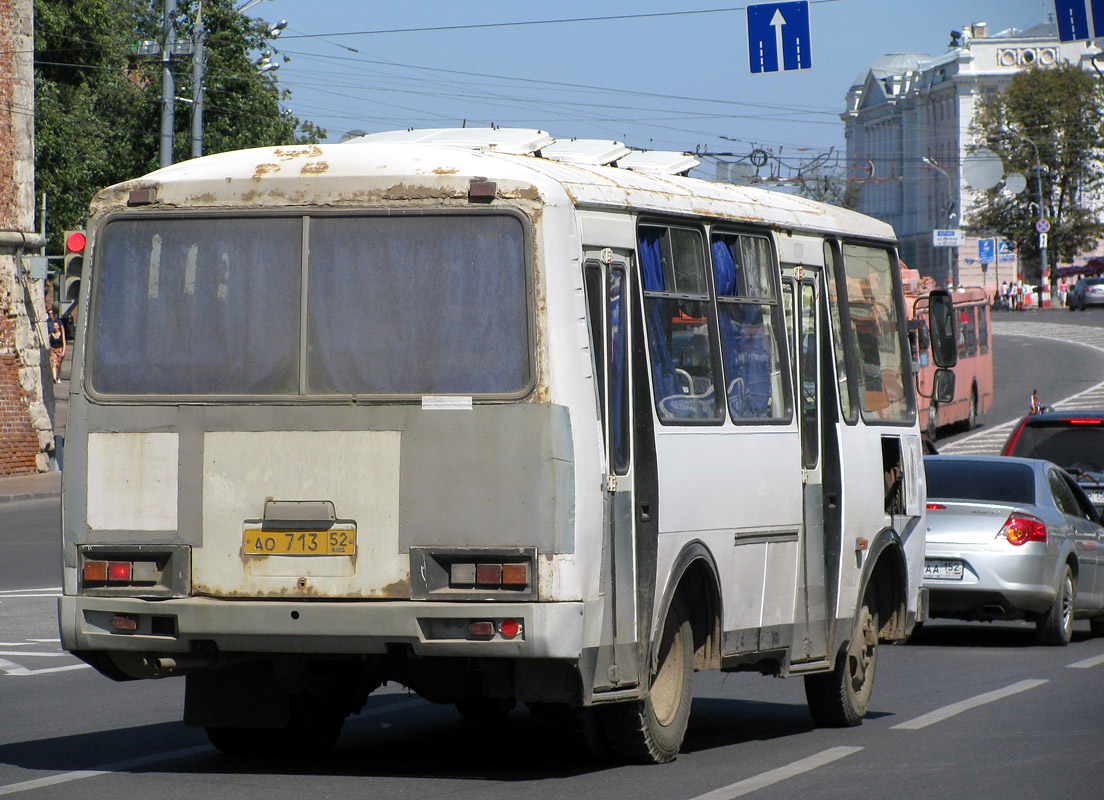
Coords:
651,730
841,697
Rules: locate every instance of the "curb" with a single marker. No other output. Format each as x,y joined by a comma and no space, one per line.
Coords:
24,496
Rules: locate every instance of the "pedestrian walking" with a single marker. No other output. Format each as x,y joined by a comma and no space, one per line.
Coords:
56,333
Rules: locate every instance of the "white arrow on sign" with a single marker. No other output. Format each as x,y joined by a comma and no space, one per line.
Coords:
778,22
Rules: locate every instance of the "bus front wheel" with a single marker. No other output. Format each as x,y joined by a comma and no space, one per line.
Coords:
650,731
840,698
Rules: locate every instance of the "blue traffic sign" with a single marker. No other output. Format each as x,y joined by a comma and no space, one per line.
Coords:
987,250
1079,19
778,36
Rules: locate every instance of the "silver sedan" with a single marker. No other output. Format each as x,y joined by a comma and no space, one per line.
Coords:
1012,538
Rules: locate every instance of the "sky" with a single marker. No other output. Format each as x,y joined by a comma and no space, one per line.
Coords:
672,81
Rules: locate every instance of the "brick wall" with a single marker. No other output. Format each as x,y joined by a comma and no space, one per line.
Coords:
26,434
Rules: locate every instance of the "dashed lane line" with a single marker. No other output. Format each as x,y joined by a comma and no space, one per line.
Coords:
953,709
761,781
1095,661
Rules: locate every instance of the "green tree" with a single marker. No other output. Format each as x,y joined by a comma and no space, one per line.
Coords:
1059,109
97,103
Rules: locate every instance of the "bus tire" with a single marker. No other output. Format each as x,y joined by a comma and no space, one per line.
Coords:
650,731
971,420
840,698
932,426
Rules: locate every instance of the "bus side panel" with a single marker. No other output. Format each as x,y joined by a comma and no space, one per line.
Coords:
739,491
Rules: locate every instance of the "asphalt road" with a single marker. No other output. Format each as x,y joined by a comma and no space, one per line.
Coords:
966,709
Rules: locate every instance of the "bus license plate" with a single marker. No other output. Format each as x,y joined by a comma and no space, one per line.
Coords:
943,570
299,543
1097,498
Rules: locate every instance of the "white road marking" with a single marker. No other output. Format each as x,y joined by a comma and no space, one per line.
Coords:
761,781
1095,661
941,714
106,769
34,592
11,668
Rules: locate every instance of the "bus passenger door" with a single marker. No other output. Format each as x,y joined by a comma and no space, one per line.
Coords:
608,305
814,606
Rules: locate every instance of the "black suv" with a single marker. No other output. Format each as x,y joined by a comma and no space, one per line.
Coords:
1074,440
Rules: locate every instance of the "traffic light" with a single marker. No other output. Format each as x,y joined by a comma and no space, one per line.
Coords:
74,265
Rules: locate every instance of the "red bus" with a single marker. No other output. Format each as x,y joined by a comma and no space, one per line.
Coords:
974,372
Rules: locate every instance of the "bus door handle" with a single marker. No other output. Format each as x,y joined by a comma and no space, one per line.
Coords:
831,500
646,513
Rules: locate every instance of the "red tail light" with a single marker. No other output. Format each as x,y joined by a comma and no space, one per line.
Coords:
1010,445
936,506
1023,528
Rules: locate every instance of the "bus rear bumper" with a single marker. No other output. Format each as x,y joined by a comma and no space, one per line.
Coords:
545,630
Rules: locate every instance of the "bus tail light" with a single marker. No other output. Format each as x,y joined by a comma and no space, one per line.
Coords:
1023,528
489,575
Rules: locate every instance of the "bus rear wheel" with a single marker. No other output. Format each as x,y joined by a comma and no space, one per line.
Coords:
650,731
841,698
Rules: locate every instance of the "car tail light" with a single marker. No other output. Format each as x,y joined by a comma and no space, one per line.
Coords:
1010,445
1023,528
936,506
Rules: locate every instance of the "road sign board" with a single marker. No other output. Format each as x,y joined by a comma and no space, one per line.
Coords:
1043,226
778,36
1079,19
987,250
1005,253
948,237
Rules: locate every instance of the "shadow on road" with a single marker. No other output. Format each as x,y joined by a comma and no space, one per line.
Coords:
983,634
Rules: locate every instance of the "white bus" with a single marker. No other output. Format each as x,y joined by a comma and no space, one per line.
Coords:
496,417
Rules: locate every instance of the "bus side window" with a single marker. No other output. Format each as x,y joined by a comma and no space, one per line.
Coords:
750,325
983,329
677,318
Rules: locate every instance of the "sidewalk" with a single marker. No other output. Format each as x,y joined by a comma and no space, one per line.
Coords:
43,485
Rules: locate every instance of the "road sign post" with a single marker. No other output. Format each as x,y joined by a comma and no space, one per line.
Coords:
779,36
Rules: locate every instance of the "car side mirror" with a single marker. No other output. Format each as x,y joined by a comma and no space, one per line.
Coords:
943,389
941,323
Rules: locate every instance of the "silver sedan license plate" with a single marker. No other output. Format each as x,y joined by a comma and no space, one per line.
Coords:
943,570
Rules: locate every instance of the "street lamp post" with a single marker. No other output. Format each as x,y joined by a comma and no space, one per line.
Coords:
1039,191
952,262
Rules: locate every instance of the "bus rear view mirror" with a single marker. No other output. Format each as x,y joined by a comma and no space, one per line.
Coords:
943,390
941,323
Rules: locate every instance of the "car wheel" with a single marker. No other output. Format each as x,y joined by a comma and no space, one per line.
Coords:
1056,626
840,698
650,731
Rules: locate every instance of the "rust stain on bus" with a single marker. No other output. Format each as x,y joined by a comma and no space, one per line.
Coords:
263,169
314,168
313,151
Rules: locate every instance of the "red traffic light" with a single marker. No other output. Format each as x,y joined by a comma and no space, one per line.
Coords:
75,242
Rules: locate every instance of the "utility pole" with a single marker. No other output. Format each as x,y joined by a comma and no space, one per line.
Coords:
198,33
168,84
